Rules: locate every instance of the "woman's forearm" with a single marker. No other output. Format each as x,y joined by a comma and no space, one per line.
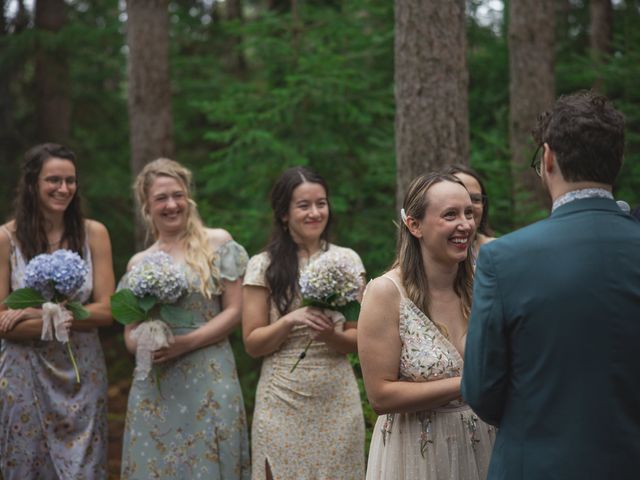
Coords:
343,341
30,329
99,316
268,339
403,396
216,329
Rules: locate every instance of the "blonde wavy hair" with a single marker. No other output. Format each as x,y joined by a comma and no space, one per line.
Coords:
409,257
198,254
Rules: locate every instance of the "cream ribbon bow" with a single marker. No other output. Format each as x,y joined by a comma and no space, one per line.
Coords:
55,320
336,317
149,336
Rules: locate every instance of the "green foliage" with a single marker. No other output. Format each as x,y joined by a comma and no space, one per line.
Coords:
615,77
24,298
125,308
176,316
317,90
313,78
488,65
77,310
31,298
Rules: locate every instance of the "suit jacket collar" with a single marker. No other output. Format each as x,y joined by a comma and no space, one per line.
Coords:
584,204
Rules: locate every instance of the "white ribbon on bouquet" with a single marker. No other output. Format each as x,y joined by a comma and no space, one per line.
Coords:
55,320
150,336
336,317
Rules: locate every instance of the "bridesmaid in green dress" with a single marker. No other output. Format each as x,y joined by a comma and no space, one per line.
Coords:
193,424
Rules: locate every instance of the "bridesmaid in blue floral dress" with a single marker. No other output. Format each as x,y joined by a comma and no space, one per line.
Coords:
192,424
51,427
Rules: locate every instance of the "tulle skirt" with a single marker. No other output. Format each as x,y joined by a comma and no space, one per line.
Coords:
442,444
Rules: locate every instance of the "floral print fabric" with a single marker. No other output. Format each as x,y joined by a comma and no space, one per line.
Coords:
449,442
50,426
188,421
308,424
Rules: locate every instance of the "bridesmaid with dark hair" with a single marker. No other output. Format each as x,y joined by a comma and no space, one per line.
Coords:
52,427
308,423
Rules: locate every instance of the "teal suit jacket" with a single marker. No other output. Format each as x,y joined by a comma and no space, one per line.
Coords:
553,349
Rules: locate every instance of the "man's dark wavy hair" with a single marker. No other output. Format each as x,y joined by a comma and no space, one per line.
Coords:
586,133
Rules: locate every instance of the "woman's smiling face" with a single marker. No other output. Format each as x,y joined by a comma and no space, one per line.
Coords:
57,185
308,213
168,204
448,225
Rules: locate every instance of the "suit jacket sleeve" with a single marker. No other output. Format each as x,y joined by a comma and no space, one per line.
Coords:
486,359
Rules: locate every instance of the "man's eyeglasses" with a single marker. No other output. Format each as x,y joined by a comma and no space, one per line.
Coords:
57,182
536,160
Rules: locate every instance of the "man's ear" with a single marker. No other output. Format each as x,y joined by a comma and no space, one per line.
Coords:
549,163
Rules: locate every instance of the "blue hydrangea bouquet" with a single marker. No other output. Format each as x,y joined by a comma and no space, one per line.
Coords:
333,283
153,287
51,281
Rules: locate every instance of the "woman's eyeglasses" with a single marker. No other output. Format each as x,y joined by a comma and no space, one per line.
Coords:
478,198
57,182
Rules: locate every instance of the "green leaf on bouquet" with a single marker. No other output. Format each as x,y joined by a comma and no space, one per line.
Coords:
309,302
351,311
147,303
176,316
24,298
78,311
124,307
330,299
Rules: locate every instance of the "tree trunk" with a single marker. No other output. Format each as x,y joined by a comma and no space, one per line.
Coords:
238,61
280,6
601,26
149,87
601,36
531,89
431,80
53,105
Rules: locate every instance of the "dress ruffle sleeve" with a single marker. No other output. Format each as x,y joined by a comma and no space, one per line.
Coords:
256,270
357,262
231,260
123,282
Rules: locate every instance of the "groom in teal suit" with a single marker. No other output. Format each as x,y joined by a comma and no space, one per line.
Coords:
553,348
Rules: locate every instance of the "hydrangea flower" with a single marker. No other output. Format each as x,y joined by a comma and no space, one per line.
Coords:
332,278
157,275
60,273
331,282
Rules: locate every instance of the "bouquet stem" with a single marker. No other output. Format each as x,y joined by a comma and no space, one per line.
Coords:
73,361
302,355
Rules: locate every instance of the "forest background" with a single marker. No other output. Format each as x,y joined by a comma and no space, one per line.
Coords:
238,90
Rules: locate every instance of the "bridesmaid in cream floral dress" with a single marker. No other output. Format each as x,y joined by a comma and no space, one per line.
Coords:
308,424
411,360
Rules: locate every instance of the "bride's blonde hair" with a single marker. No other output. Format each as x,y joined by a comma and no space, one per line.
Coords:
198,253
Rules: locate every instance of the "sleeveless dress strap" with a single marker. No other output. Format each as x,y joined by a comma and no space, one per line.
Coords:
393,280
